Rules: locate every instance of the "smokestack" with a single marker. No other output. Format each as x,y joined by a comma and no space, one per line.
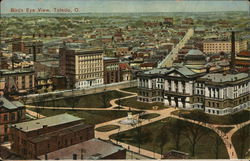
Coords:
12,62
34,52
232,63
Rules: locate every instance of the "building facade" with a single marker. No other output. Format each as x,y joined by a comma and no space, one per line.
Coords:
180,87
18,81
111,70
82,67
27,46
215,46
39,137
223,93
10,112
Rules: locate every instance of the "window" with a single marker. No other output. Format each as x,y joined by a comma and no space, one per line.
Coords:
5,117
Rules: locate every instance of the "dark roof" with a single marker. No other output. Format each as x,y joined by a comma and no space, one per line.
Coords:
92,149
63,131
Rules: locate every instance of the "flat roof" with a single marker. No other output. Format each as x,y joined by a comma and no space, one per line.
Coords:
219,77
16,71
10,105
92,149
48,121
61,132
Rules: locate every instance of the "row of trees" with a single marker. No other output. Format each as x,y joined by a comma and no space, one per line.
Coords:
173,131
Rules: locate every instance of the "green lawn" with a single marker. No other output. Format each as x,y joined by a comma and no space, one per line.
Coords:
149,116
98,100
107,128
225,129
132,89
90,116
236,118
132,102
150,134
241,141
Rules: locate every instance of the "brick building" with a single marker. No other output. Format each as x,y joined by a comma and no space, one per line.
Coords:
216,46
39,137
10,112
17,81
27,46
93,149
111,70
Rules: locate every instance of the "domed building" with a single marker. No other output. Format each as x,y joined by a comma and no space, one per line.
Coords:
195,60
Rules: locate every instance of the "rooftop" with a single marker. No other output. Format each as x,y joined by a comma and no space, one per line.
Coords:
195,52
16,71
63,131
182,69
47,121
92,149
219,77
8,104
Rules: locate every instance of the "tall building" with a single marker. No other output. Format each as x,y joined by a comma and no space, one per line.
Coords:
216,46
111,70
11,112
82,67
217,94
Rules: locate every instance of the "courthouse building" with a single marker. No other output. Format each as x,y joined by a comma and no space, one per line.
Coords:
180,87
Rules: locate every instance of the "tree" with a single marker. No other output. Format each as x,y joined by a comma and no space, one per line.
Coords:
143,135
176,128
104,97
242,138
162,138
217,143
194,134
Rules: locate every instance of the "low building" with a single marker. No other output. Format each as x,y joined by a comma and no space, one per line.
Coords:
10,112
217,93
111,70
39,137
18,81
126,72
242,61
93,149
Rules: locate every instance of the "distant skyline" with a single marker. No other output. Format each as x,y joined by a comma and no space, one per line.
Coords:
127,6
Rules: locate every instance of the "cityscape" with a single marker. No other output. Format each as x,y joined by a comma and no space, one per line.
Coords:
148,80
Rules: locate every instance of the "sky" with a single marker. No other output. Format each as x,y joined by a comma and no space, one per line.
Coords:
120,6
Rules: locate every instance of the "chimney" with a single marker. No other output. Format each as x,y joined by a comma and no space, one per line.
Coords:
232,63
12,62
